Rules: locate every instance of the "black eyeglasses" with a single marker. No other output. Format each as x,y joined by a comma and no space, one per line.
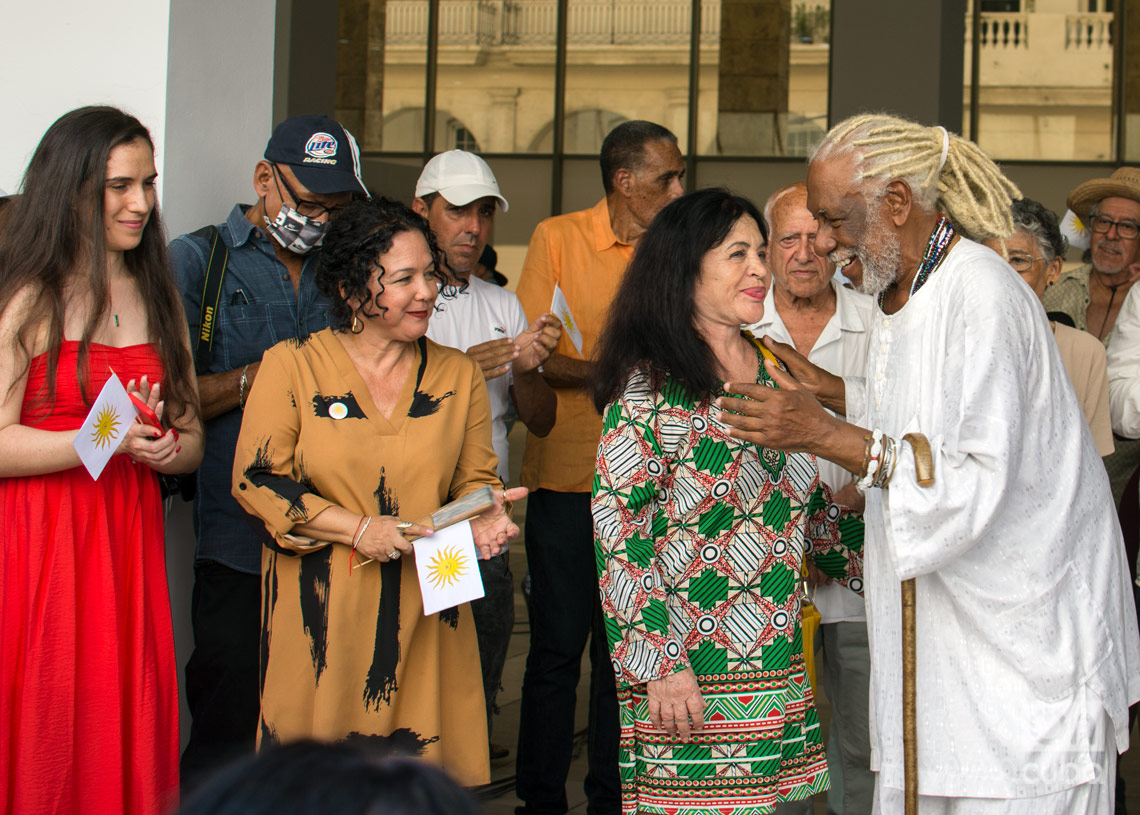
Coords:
1125,229
310,209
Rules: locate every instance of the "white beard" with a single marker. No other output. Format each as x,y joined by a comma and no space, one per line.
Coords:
880,253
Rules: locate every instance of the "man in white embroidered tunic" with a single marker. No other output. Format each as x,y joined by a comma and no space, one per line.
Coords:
1027,647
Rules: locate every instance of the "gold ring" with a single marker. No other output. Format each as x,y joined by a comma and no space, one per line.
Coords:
402,525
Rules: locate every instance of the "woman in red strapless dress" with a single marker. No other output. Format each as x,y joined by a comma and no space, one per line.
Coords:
88,682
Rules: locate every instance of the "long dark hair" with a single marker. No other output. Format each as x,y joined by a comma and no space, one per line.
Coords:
56,226
651,318
352,248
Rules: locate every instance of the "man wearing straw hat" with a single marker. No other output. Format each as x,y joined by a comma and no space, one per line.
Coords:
1092,294
989,519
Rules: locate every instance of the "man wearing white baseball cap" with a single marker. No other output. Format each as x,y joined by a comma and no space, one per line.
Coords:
247,284
458,195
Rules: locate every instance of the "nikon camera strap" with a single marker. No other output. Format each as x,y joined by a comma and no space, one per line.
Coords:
211,293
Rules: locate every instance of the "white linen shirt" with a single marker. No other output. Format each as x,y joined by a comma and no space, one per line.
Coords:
842,350
1025,619
1124,368
480,313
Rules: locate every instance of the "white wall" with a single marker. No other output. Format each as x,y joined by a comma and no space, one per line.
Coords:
65,54
219,111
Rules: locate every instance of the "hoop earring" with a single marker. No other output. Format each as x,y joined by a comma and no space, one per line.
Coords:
357,324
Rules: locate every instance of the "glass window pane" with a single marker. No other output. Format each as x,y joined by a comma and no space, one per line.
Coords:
626,59
764,77
404,55
1044,80
495,87
495,80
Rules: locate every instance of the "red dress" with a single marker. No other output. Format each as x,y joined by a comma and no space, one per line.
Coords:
88,683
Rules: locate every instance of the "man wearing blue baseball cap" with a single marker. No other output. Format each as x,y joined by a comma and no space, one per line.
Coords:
247,284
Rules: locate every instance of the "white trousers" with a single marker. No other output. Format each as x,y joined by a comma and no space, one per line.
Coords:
1097,797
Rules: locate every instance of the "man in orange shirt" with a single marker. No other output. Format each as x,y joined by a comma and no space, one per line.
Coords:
585,254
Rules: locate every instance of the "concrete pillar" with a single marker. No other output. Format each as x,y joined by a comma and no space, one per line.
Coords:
305,63
360,69
752,94
898,56
1130,75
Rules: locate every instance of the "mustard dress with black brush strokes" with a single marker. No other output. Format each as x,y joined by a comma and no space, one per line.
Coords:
348,654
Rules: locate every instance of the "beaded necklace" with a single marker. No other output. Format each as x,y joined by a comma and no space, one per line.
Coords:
935,253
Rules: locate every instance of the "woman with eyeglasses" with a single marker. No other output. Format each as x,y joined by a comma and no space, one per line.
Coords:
1036,251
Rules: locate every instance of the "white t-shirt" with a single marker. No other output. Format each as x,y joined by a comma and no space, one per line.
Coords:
480,313
842,350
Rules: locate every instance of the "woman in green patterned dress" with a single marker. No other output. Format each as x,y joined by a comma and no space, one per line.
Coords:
701,537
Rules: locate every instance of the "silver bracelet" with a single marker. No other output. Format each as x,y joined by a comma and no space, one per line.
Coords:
241,387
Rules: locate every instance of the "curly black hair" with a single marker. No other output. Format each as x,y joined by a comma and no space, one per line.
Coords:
351,252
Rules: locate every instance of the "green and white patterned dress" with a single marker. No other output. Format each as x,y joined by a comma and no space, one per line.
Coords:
700,541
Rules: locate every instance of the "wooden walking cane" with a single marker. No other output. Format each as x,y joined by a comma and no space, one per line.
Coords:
910,734
924,472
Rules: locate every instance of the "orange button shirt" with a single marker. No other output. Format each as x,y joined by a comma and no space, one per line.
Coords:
580,253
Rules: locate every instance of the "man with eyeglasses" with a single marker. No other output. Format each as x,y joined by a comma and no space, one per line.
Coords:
264,294
1092,294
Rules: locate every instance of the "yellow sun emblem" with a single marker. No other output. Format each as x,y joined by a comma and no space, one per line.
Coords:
567,321
448,565
106,427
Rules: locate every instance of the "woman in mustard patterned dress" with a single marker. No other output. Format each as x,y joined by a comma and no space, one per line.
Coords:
700,537
345,433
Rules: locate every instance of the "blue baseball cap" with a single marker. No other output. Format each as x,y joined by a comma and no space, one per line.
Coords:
320,151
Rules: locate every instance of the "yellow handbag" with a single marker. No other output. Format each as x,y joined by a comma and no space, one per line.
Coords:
809,624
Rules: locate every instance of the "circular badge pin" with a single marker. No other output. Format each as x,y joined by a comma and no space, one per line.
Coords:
338,410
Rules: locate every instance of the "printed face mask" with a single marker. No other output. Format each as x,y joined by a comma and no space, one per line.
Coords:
298,233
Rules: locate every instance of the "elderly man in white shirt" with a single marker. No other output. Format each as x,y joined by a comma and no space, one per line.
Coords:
983,485
830,325
1124,369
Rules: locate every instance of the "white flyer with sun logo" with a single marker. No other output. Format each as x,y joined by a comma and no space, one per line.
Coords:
103,429
448,568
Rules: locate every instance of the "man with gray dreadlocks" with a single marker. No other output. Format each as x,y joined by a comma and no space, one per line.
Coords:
982,482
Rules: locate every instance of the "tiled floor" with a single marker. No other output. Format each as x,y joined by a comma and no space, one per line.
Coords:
499,798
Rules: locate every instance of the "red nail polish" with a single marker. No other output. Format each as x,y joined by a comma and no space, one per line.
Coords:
178,449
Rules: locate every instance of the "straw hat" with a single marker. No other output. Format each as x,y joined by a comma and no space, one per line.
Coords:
1124,183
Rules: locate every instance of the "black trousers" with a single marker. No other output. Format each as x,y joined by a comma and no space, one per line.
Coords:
222,679
565,613
494,622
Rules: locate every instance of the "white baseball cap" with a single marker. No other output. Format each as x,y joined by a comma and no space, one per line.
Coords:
460,177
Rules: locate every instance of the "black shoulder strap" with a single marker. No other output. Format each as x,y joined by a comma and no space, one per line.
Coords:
211,292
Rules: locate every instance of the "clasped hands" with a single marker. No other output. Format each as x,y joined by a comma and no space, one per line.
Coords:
387,538
142,442
525,352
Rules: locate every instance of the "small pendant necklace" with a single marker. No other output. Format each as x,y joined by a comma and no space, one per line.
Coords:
1108,309
935,253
